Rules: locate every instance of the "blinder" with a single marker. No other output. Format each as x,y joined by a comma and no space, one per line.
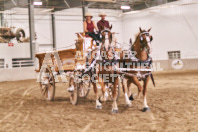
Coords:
144,33
141,38
151,38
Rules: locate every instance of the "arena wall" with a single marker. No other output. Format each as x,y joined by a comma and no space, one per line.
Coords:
174,28
188,64
17,74
67,22
18,50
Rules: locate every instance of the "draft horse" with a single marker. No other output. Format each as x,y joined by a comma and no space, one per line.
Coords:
101,68
139,66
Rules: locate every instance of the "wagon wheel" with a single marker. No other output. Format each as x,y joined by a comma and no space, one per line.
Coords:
110,89
84,88
74,93
47,83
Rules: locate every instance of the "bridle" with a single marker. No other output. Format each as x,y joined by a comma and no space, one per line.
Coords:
106,38
110,47
144,33
148,40
106,31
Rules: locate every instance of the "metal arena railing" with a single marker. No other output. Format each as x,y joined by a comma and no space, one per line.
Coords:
1,64
22,63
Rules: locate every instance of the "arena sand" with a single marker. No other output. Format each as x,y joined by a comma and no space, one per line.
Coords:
173,103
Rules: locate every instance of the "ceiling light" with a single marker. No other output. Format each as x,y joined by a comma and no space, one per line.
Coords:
125,7
38,3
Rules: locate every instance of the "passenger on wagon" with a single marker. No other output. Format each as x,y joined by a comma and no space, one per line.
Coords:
102,24
89,27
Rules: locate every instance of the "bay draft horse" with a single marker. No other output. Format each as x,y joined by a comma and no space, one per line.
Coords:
139,60
101,69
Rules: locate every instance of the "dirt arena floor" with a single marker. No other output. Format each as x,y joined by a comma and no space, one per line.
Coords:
173,103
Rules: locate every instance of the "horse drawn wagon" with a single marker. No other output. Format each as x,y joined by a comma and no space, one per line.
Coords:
66,65
136,66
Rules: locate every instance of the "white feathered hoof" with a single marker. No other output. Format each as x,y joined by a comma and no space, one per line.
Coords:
114,111
145,109
98,107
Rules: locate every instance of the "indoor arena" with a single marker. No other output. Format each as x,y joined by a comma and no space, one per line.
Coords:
98,65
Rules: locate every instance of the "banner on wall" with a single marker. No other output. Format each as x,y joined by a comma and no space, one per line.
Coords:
177,64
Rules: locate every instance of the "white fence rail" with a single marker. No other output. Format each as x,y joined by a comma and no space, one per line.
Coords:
22,63
1,64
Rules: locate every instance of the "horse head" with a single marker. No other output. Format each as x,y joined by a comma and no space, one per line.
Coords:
145,40
106,46
106,37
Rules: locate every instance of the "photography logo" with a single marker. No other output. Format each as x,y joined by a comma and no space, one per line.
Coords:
177,64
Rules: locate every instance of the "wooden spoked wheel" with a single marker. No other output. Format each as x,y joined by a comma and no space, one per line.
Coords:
47,83
110,89
74,97
74,94
84,88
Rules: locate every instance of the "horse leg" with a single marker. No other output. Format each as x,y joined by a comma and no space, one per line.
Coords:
131,96
128,86
137,83
124,82
145,106
103,88
123,85
114,106
98,104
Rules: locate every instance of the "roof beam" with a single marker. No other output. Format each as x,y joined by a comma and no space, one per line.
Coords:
14,3
66,3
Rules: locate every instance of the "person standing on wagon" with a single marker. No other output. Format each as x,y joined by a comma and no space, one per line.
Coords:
102,24
89,27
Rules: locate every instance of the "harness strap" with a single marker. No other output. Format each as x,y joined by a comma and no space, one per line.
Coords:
152,79
80,35
133,75
144,33
148,61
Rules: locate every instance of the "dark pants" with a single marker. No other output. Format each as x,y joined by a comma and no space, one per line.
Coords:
95,37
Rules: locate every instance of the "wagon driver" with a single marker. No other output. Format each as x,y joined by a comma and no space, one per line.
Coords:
102,24
89,27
